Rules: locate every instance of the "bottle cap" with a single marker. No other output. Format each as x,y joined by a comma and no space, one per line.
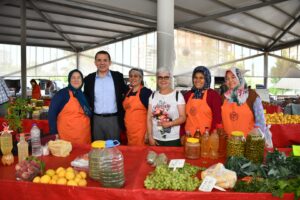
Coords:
111,143
98,144
237,133
193,140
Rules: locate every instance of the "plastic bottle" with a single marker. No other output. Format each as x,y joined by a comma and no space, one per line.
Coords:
187,135
205,146
22,148
197,134
35,134
214,145
6,142
222,141
94,159
6,147
111,166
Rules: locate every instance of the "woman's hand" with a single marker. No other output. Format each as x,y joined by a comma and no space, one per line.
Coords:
166,124
152,141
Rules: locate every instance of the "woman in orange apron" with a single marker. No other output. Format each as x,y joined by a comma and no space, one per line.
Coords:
203,105
135,105
242,107
36,91
69,112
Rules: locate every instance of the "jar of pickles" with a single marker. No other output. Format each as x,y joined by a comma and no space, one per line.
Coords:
192,148
236,144
255,146
94,159
36,115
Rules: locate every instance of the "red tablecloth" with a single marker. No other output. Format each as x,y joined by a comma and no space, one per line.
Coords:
285,135
136,170
270,109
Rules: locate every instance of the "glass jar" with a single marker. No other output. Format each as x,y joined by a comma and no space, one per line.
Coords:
192,148
236,144
36,115
255,146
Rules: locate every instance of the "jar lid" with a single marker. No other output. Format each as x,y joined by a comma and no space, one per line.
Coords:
237,133
98,144
193,140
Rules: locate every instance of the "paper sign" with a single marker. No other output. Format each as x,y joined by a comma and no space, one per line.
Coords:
176,163
208,184
296,150
219,188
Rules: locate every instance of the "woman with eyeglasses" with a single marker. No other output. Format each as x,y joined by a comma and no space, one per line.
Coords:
69,112
242,107
203,105
135,105
166,111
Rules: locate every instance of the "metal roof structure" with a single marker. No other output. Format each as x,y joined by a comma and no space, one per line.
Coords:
79,25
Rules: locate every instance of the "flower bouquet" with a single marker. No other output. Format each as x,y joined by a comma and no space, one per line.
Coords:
161,115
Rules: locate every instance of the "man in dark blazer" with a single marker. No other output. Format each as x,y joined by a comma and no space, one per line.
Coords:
105,91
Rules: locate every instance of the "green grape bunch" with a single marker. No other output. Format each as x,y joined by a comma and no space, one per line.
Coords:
164,178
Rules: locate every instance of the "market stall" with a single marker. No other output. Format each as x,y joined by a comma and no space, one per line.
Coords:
136,170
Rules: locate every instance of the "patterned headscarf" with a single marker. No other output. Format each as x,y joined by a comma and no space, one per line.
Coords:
78,94
240,93
198,92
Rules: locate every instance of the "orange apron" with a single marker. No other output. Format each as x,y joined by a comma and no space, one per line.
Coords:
72,123
237,118
135,119
199,114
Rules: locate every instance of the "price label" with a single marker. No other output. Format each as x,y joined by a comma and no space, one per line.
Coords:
176,163
296,150
208,184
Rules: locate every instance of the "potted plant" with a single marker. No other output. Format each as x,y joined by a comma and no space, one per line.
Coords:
17,111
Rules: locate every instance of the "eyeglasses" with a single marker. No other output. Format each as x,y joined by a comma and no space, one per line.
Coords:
165,78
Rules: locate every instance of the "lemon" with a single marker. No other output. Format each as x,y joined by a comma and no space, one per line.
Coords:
45,179
82,174
70,169
82,182
37,179
61,173
70,175
78,176
52,181
50,172
77,179
72,183
55,177
59,169
61,181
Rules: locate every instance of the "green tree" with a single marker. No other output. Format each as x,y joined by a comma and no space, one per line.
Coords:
283,68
